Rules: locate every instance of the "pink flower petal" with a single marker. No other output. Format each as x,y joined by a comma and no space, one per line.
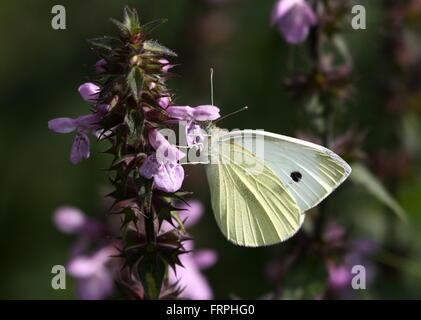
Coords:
164,102
205,113
165,152
80,148
149,167
169,177
191,212
195,285
205,258
62,125
180,112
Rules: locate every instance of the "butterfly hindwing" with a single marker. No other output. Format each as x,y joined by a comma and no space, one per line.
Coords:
252,208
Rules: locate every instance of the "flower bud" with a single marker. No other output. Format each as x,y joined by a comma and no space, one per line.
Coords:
164,102
100,66
89,91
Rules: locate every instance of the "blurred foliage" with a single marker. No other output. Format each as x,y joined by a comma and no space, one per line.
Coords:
41,69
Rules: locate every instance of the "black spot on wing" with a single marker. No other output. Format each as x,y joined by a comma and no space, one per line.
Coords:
296,176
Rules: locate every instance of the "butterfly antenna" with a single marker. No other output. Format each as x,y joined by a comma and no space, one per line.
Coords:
211,84
231,114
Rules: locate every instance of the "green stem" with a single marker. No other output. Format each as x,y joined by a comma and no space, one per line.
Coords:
149,214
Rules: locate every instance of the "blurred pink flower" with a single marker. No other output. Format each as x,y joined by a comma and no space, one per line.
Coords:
340,274
95,278
69,219
194,284
189,277
293,18
94,272
190,213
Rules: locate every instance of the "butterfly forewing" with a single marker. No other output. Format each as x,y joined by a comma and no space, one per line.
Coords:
310,172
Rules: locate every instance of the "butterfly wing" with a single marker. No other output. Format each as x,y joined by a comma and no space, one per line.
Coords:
252,209
309,171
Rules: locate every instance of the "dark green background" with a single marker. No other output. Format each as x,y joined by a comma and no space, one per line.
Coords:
41,69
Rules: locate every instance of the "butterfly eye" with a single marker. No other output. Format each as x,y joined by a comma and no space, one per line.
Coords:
296,176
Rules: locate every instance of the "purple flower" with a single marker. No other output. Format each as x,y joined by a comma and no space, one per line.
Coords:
167,176
200,113
95,271
80,148
334,233
206,113
195,135
82,125
89,91
340,274
293,18
162,165
69,219
165,152
166,66
164,102
94,276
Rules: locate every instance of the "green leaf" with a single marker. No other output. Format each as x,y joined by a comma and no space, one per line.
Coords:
130,24
341,46
152,269
129,216
131,20
120,25
105,42
152,25
362,175
135,81
134,122
156,47
177,218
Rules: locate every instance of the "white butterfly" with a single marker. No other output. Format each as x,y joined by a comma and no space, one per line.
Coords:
266,206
